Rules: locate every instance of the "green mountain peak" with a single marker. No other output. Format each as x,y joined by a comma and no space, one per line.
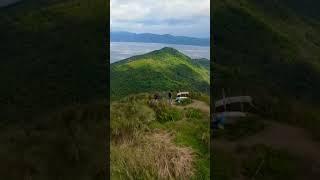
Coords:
159,70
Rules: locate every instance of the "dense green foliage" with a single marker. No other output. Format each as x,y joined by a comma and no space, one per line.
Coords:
270,50
53,58
164,113
161,70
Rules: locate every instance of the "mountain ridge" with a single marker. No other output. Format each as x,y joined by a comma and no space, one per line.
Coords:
151,53
166,69
123,36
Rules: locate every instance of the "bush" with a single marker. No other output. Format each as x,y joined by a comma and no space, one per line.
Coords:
164,113
184,102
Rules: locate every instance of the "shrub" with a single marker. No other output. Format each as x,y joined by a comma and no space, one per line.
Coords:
184,102
164,113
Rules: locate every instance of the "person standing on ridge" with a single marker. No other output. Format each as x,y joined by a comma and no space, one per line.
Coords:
170,96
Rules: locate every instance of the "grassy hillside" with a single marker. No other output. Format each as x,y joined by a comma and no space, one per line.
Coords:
270,50
53,72
161,70
158,141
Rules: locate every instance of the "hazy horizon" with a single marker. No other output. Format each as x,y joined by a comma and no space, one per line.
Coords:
159,34
123,50
175,17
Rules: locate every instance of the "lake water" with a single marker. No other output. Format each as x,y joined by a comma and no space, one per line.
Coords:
123,50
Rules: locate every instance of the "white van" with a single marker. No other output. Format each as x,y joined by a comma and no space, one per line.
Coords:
182,96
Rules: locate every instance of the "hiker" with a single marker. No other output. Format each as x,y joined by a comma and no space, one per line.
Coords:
170,96
156,96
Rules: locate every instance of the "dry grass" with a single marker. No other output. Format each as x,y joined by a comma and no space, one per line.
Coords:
153,156
172,161
127,119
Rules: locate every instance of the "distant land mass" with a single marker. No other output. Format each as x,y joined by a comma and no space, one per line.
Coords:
122,36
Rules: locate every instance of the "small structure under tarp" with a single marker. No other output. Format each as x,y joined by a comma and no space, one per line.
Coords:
228,109
181,96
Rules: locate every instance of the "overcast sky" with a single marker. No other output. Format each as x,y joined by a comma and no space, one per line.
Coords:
176,17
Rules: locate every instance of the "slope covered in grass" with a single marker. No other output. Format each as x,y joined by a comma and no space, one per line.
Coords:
158,140
52,54
270,50
161,70
53,70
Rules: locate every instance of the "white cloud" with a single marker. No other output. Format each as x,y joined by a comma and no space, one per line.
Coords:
136,15
127,11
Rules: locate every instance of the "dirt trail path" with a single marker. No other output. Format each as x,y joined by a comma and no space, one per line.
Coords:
202,106
279,136
276,135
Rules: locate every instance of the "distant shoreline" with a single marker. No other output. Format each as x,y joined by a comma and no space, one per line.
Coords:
158,38
163,43
123,50
111,41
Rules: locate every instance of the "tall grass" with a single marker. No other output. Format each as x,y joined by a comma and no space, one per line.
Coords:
193,113
129,118
157,141
154,156
165,113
